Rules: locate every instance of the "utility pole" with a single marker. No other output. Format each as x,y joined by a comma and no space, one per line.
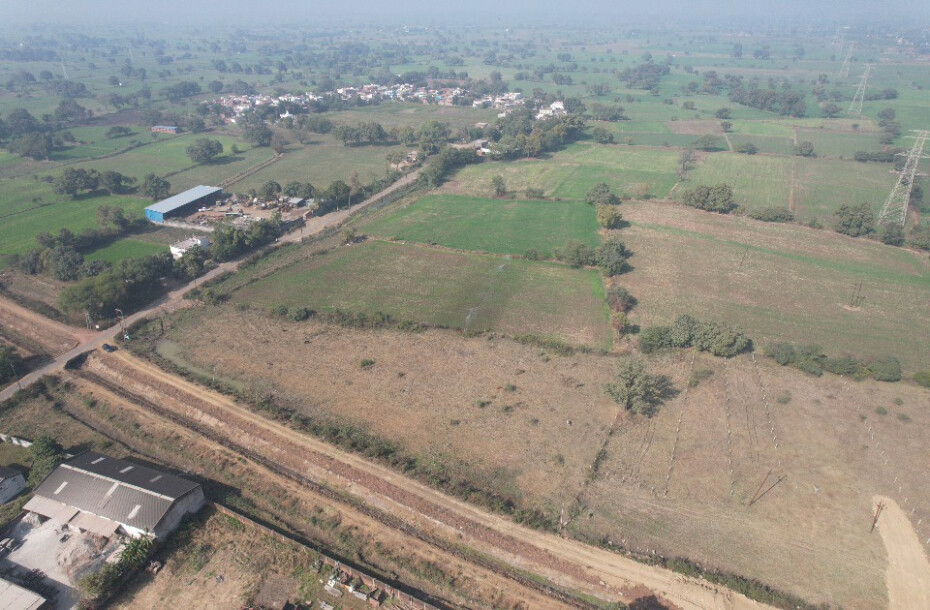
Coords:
895,209
856,106
19,382
121,328
758,495
844,69
857,296
878,511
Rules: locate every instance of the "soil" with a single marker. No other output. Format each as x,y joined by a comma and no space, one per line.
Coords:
908,575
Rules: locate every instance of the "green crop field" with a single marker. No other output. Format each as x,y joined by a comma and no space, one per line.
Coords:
444,288
765,144
125,249
757,180
490,225
826,184
779,282
569,174
837,144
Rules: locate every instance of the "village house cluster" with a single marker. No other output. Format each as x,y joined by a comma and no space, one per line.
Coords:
444,96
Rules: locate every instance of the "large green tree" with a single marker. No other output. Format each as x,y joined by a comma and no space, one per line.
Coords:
155,187
204,150
854,220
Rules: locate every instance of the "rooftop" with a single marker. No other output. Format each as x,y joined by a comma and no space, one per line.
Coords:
6,473
14,597
114,489
181,199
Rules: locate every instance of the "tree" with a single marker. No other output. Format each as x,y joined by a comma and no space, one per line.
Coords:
722,113
686,160
602,136
638,391
204,150
892,235
64,263
737,51
747,148
34,145
576,254
303,190
717,198
432,136
707,142
10,364
804,149
71,181
854,220
269,190
831,110
192,263
215,86
612,256
600,194
609,216
258,135
155,187
46,455
115,183
118,131
498,187
338,192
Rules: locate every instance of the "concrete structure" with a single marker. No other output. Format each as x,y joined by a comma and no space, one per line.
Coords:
104,495
183,204
12,482
172,129
14,597
179,249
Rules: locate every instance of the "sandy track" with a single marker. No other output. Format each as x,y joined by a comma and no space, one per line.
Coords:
908,575
567,562
54,338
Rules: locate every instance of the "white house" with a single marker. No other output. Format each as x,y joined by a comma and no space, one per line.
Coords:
178,249
12,482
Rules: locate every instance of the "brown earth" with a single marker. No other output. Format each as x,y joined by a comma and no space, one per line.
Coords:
908,570
564,561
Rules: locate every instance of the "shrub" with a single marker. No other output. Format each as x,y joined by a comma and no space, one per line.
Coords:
892,235
747,148
718,338
772,214
717,198
811,367
532,254
600,194
654,338
782,353
881,411
533,193
854,220
620,299
638,391
784,398
698,376
844,365
609,216
299,314
367,363
576,254
922,378
612,255
885,369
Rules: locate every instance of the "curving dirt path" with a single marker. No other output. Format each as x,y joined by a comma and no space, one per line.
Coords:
908,575
54,337
567,562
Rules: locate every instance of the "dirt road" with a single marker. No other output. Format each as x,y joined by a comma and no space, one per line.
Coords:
908,575
93,340
53,337
568,563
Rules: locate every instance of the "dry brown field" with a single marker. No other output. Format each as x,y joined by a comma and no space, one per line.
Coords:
677,485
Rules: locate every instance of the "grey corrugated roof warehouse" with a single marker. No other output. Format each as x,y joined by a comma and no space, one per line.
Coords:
102,494
182,199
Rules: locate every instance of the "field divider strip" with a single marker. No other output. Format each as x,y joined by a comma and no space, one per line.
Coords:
681,417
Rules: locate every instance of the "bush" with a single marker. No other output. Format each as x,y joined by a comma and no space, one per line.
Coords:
600,194
854,220
654,338
885,369
532,254
811,367
717,198
718,338
609,216
784,398
772,214
892,235
576,254
698,376
844,365
782,353
922,378
638,391
620,299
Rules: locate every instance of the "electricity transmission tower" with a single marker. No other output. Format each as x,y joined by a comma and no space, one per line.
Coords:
855,108
895,210
844,70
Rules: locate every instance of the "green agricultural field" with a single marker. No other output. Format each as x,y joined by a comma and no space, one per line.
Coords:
321,163
569,174
490,225
764,144
125,249
220,170
779,282
758,181
826,184
444,288
838,144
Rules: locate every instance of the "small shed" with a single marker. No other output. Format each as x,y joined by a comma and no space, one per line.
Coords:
172,129
12,482
180,249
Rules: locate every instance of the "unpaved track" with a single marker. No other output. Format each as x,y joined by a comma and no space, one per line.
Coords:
53,336
908,575
567,562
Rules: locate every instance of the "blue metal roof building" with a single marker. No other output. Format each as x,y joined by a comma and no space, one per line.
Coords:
182,203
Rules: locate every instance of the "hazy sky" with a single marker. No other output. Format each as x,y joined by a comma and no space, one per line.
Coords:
197,12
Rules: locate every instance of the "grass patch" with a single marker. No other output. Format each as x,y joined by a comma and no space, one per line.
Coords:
490,225
441,288
124,249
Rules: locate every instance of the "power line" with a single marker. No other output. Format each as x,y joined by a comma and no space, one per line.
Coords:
855,108
895,210
844,69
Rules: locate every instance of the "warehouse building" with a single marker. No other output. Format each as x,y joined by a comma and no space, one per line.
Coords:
107,496
184,203
12,482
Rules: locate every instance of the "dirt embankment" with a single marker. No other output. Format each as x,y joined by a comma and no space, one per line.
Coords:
566,562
